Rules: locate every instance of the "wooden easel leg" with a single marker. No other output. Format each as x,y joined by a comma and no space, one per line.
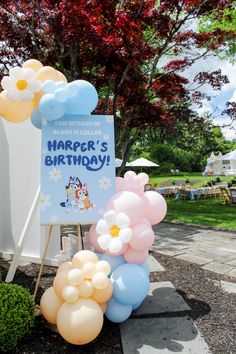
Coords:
80,238
42,262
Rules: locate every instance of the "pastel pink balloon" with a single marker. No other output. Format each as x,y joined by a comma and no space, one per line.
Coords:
133,256
124,248
145,221
129,203
143,177
120,183
92,235
154,206
142,238
129,175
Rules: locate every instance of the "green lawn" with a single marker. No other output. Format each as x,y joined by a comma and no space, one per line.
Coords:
196,179
210,212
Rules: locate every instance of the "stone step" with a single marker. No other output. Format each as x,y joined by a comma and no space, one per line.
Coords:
154,265
162,298
162,336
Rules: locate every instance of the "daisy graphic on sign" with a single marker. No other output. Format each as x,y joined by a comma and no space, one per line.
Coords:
54,174
44,201
21,84
104,183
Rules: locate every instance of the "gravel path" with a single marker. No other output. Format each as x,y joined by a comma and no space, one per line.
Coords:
213,310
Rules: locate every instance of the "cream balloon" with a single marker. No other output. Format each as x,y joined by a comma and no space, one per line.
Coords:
50,304
75,277
86,289
33,64
60,281
103,295
61,77
14,111
70,294
81,322
82,257
47,73
100,280
64,266
103,266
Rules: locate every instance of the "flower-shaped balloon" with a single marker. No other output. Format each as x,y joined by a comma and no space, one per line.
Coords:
113,231
21,84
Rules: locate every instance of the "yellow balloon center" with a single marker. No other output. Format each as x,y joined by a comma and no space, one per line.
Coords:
22,85
114,231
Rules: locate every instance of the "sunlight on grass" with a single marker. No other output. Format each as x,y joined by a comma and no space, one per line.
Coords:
210,213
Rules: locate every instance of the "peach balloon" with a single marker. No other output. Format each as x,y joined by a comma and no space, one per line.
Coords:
133,256
61,77
86,288
70,293
60,281
82,257
33,64
81,322
37,98
129,203
47,73
75,277
103,266
64,266
88,270
142,237
103,307
92,235
50,304
14,111
103,295
100,280
154,206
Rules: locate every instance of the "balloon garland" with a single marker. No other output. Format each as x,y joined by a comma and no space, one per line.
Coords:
115,281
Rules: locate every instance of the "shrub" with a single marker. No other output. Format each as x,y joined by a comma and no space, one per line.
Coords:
187,179
16,315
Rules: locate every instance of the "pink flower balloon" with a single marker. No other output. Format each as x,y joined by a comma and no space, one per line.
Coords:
92,235
129,203
133,256
142,238
155,207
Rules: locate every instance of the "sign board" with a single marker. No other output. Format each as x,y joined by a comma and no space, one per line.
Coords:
77,168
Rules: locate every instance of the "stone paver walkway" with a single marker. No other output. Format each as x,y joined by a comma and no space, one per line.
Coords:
213,250
166,327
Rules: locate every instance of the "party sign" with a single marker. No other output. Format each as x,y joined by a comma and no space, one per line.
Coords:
77,168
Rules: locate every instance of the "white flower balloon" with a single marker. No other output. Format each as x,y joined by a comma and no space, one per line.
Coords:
114,231
21,84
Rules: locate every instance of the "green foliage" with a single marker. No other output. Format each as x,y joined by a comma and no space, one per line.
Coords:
173,181
16,315
232,182
187,179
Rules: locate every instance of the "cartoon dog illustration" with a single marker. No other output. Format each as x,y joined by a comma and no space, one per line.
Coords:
77,196
72,190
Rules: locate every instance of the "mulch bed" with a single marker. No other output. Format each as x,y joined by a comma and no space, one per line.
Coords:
212,310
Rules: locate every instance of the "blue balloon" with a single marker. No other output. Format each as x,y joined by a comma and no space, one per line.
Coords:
114,261
36,119
117,312
146,267
49,86
61,94
83,97
130,284
50,108
135,306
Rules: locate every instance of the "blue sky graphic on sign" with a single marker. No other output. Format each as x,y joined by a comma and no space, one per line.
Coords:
77,168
